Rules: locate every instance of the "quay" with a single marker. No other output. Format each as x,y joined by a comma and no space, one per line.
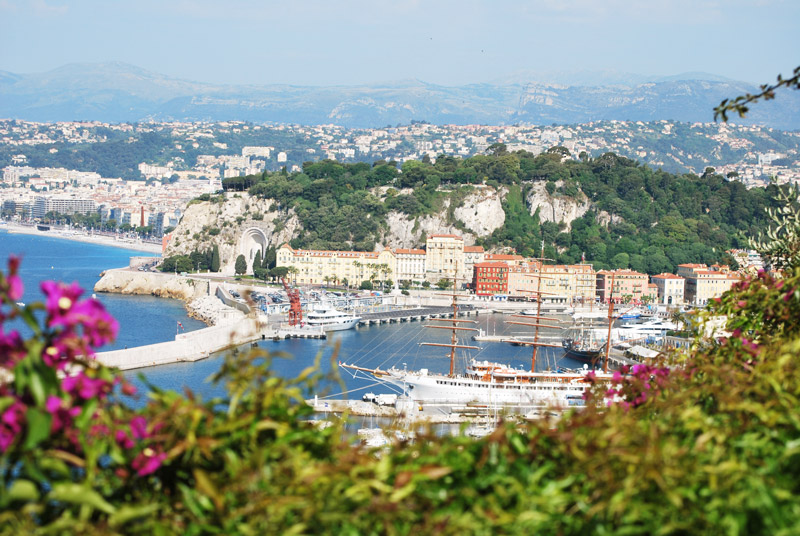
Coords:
416,314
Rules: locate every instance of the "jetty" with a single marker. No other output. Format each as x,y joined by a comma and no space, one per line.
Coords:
415,314
191,346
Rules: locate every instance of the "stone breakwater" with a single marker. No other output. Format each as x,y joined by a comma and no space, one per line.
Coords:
195,293
212,311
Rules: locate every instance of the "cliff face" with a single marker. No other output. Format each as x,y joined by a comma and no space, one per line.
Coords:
555,208
479,214
153,283
241,223
234,225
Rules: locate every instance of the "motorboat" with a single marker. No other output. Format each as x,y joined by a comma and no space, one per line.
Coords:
330,319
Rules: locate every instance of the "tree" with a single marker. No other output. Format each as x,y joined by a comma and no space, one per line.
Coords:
444,284
256,262
366,285
215,263
241,265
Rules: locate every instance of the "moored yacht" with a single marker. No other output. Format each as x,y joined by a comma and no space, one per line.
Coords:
331,319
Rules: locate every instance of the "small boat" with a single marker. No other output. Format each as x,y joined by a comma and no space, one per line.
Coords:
330,319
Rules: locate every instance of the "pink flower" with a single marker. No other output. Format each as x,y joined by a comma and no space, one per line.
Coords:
62,414
84,387
59,300
788,295
11,348
779,285
139,427
148,461
123,439
742,304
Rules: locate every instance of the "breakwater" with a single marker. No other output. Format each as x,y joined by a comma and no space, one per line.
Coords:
191,346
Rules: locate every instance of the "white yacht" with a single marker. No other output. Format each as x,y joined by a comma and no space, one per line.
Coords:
330,319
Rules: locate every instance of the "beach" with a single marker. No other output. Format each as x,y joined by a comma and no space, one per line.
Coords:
82,236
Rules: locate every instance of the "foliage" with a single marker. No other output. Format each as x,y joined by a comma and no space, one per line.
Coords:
739,104
241,265
366,285
781,245
443,284
215,261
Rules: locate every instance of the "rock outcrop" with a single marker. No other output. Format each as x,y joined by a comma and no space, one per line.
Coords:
152,283
212,311
225,224
555,208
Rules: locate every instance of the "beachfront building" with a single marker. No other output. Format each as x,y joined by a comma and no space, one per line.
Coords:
62,205
490,278
704,283
669,288
629,286
444,257
318,267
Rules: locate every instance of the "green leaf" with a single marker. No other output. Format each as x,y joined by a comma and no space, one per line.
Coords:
38,427
80,495
130,513
23,490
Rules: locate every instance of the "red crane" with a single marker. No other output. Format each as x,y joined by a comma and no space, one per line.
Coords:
295,311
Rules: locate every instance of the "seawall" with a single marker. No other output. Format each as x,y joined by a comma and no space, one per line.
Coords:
191,346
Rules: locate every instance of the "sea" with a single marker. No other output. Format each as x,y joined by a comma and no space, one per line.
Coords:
147,320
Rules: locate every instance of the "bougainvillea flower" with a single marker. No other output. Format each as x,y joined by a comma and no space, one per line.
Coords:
148,461
11,424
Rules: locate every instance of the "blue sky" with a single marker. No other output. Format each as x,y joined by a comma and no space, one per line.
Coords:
319,42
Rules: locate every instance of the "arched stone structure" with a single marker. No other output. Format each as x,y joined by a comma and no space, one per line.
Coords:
253,240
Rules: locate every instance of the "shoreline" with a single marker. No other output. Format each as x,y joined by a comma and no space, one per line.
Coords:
14,228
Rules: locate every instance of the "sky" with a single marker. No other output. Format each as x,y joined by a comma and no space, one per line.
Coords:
349,42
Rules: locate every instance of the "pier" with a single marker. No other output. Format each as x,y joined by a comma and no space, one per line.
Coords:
417,314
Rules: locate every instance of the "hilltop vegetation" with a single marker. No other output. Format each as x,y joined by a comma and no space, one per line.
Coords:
639,218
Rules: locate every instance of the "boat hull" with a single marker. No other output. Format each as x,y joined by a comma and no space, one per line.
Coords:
336,326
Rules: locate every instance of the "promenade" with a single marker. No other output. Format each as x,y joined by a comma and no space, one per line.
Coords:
80,236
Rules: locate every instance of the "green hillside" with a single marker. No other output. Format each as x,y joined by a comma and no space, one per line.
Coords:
639,218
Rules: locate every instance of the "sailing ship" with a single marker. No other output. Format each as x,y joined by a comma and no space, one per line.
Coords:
581,341
488,383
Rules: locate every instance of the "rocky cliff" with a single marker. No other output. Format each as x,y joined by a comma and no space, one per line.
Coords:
226,224
241,224
125,281
555,208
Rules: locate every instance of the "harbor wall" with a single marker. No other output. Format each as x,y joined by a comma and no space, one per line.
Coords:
191,346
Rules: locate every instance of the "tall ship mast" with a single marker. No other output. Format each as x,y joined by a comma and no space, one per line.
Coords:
484,382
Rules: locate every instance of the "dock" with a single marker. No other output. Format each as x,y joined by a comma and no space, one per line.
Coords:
416,314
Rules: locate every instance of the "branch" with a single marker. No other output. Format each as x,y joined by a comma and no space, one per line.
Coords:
739,104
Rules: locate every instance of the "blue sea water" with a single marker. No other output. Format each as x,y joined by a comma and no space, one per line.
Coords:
146,320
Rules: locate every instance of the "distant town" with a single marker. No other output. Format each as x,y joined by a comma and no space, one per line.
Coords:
91,167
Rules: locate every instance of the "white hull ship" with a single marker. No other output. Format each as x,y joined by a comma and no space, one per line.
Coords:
486,383
489,384
330,319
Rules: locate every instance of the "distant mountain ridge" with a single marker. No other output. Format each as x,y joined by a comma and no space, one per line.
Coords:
119,92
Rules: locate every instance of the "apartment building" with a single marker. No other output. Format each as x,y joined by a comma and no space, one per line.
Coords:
317,267
444,257
63,205
410,264
670,288
704,283
629,286
490,278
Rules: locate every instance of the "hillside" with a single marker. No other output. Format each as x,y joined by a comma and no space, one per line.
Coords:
616,212
118,92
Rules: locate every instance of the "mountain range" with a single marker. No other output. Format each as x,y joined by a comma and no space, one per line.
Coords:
119,92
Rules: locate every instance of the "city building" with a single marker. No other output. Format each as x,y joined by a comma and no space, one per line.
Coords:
669,288
410,264
444,257
318,267
704,283
490,278
629,287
